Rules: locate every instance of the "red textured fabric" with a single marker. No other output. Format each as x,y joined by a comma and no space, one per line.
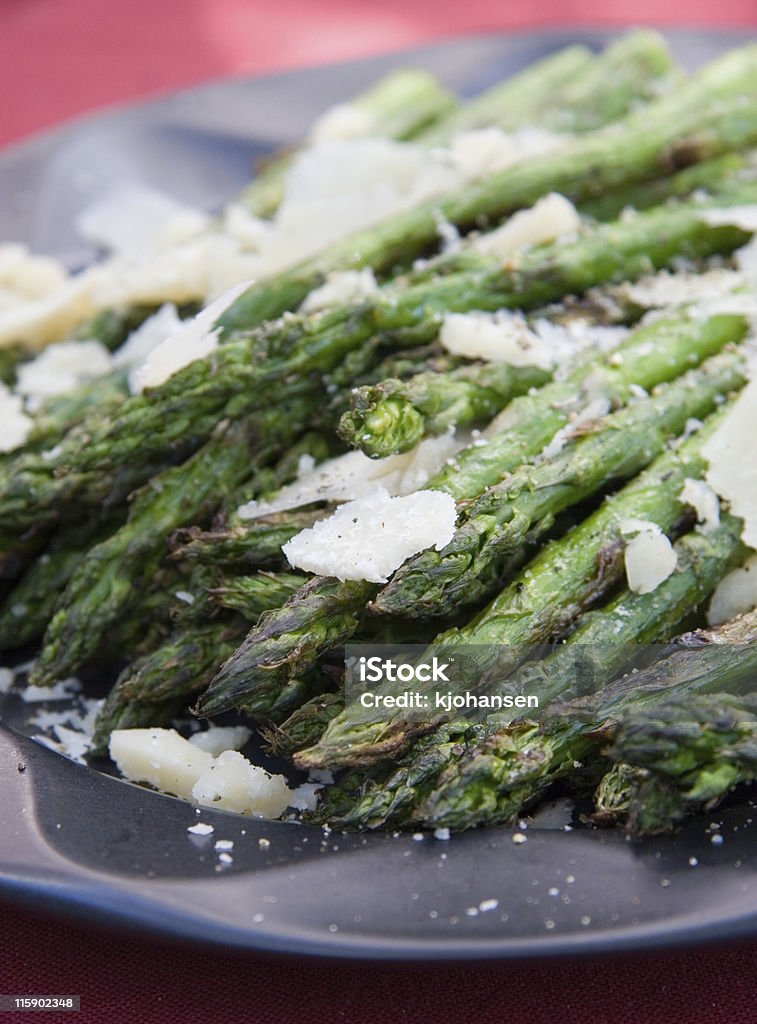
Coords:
123,980
63,57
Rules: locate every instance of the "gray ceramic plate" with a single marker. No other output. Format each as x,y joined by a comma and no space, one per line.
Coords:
76,841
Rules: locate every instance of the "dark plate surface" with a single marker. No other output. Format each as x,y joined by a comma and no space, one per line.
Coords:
75,840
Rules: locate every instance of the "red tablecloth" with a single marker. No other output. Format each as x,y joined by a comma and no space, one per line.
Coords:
62,57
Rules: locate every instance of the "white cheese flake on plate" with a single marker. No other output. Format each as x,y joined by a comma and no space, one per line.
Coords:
700,496
168,762
218,738
131,217
552,217
731,453
193,340
350,476
369,538
735,594
649,556
232,783
201,829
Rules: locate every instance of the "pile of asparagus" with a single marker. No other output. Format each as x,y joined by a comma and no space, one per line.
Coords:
120,537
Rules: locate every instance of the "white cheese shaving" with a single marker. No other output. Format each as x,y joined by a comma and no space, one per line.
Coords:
193,340
353,474
53,315
744,217
15,425
172,764
61,367
369,538
25,276
666,289
501,337
151,333
342,122
480,151
231,783
553,216
735,594
160,757
705,502
596,409
649,556
305,797
732,458
218,738
130,218
341,288
6,679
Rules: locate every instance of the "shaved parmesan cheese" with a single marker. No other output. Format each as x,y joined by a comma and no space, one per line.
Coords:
701,497
342,287
15,425
193,340
369,538
744,217
218,738
595,410
353,474
481,151
305,797
25,276
649,557
53,315
132,217
501,337
551,217
151,333
665,289
342,122
732,459
60,368
736,594
160,757
231,783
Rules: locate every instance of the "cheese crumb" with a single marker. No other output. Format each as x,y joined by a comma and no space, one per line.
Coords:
649,557
369,538
60,368
201,829
736,594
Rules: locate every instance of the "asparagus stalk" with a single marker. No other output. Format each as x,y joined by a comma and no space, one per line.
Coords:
708,115
604,641
250,596
246,545
396,415
653,354
401,105
114,453
30,605
304,726
516,765
588,562
109,580
684,755
505,522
